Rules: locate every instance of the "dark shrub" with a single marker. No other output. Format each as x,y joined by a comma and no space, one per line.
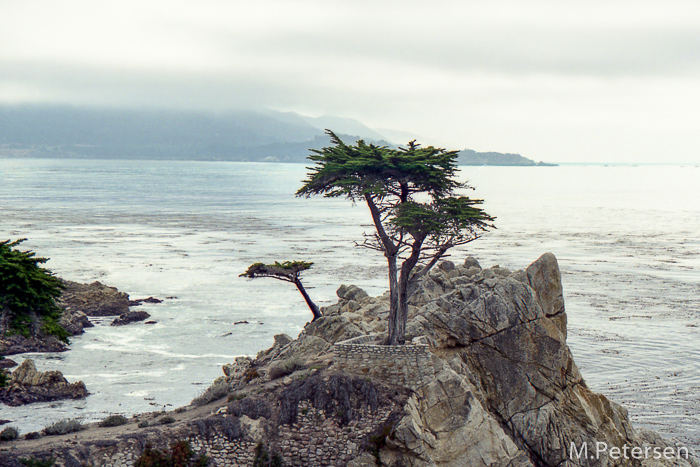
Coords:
9,434
114,420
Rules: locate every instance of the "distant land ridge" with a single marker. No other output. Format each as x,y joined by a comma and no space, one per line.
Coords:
240,135
471,157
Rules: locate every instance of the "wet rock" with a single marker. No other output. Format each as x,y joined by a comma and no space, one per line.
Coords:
74,321
130,317
27,385
16,344
94,299
139,301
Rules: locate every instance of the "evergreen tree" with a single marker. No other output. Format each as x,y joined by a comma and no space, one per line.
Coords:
289,271
411,196
27,288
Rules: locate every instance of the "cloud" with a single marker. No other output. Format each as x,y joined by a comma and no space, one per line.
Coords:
531,77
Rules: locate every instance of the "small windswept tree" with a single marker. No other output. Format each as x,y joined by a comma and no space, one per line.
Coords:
289,271
411,196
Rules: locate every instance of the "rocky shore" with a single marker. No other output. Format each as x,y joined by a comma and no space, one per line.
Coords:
487,380
79,302
27,385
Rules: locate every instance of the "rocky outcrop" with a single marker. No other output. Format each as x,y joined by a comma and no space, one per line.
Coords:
13,344
27,385
493,384
79,302
6,363
130,317
95,299
139,301
74,321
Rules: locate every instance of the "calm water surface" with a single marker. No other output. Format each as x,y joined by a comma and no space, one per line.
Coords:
626,239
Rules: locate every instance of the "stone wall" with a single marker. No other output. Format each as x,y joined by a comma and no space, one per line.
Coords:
409,365
316,439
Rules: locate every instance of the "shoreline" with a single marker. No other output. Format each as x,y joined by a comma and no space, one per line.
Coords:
338,323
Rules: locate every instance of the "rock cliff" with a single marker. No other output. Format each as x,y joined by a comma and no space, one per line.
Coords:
27,385
487,380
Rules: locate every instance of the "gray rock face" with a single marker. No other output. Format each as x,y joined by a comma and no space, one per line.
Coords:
94,299
507,390
471,262
74,321
130,317
351,292
502,387
27,385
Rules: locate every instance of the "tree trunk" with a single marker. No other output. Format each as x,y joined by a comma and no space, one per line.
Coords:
394,327
312,306
403,293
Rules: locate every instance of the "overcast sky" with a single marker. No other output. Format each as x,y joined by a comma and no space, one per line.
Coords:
560,81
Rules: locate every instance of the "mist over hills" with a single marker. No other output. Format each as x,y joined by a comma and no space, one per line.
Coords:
61,131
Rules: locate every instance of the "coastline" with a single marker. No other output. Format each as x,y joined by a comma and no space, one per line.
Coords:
244,409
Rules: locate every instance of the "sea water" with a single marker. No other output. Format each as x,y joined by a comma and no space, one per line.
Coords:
626,239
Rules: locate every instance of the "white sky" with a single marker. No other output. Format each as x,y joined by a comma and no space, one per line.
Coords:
560,81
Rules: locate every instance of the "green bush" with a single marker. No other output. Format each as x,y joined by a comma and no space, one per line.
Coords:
63,427
34,462
9,434
4,378
166,420
26,288
180,455
113,420
32,435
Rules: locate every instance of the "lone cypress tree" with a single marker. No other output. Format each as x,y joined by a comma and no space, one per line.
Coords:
289,271
410,193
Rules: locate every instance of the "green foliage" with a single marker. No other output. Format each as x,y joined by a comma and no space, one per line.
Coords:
4,378
454,218
412,196
113,420
34,462
63,427
166,420
179,455
25,288
9,434
353,171
52,327
287,269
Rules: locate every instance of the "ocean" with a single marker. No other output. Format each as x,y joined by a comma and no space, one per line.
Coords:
626,238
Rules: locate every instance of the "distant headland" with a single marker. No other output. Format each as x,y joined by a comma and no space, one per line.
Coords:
471,157
245,136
